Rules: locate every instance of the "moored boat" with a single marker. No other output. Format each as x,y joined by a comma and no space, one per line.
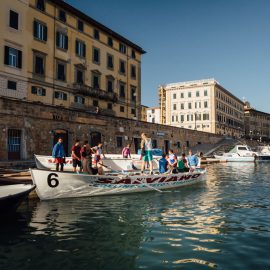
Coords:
110,163
263,153
11,196
240,153
53,185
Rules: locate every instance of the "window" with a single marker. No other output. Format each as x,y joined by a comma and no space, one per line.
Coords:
13,19
133,54
13,57
39,91
110,85
187,117
80,25
40,5
182,106
61,40
96,34
182,118
11,85
197,93
122,90
109,61
122,48
133,94
96,56
154,143
205,116
122,67
109,106
80,48
174,107
173,118
189,105
110,42
79,100
174,96
133,72
95,80
40,31
182,95
95,103
61,71
189,94
60,95
119,142
79,76
205,104
39,64
62,15
205,93
122,109
133,111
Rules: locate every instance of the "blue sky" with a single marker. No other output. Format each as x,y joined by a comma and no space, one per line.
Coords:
228,40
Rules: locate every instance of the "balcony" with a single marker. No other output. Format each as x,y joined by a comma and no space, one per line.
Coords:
85,90
92,109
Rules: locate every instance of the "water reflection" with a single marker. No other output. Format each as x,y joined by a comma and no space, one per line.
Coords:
197,227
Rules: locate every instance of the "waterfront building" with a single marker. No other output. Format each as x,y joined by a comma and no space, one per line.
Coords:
202,105
143,112
257,123
55,54
153,115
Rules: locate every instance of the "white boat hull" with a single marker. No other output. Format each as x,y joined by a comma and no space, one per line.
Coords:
234,158
111,163
53,185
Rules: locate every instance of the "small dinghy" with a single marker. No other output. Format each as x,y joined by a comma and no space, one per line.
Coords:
11,196
53,185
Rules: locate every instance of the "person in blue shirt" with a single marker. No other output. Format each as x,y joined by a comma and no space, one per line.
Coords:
163,164
59,154
192,160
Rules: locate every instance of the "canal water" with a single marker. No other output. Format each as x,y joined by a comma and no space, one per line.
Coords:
221,224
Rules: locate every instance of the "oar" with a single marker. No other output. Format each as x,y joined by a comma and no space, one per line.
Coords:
156,189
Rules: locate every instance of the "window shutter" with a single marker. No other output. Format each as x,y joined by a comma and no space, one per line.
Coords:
43,92
65,96
66,42
34,90
77,47
35,26
57,39
6,55
19,63
45,33
56,94
84,49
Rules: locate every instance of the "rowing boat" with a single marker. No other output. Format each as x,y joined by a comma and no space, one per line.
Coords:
53,185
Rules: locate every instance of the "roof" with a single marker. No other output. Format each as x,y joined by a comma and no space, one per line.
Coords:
90,20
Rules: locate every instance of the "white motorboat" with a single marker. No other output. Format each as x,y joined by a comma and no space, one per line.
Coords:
240,153
112,162
263,153
53,185
12,195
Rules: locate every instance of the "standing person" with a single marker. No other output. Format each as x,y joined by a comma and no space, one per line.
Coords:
59,155
192,160
182,164
126,151
146,146
163,164
76,156
172,160
97,150
86,158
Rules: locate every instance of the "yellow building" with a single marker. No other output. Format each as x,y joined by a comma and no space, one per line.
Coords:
57,55
202,105
144,113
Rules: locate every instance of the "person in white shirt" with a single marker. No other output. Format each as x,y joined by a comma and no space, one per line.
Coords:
146,147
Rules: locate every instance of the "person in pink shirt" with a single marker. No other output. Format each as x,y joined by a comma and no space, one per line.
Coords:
126,151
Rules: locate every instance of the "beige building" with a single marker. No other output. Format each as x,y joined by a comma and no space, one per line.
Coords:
54,54
144,113
202,105
257,123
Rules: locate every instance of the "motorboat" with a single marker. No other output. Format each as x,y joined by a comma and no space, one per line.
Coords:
112,162
240,153
263,153
54,185
11,196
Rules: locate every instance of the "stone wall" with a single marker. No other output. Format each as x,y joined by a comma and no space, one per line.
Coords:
39,123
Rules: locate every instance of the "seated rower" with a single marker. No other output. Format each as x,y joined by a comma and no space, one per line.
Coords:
182,164
172,161
163,164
